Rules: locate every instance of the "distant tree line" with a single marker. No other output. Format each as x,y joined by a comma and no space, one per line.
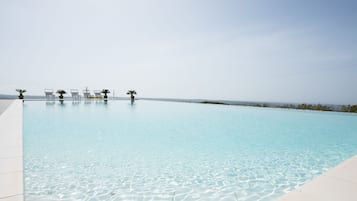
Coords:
313,107
349,108
320,107
343,108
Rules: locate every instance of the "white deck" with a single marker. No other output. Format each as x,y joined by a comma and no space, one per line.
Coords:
340,183
4,104
11,152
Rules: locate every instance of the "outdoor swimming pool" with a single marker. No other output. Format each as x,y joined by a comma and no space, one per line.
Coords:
177,151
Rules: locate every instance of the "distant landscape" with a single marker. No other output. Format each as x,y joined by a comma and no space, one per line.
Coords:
300,106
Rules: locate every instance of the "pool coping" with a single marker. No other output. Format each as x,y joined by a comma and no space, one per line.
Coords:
339,183
11,151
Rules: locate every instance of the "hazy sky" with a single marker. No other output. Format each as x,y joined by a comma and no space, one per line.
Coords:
267,50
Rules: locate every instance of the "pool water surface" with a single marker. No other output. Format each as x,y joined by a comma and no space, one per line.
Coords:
177,151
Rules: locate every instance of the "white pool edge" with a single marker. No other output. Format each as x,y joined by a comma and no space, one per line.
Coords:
11,151
339,183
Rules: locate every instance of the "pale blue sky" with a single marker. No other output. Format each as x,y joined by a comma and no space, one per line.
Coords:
278,50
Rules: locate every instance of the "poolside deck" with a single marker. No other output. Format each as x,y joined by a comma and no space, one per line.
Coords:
340,183
11,151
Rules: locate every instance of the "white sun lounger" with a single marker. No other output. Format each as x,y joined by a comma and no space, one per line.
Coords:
75,95
98,93
49,95
86,93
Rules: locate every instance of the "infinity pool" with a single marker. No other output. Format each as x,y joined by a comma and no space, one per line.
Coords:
177,151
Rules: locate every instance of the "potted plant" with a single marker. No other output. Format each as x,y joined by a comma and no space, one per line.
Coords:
21,93
105,92
61,92
131,93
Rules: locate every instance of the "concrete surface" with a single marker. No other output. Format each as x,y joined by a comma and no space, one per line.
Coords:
11,151
4,104
340,183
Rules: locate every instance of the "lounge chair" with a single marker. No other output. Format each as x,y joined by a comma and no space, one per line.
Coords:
75,95
98,93
86,93
49,95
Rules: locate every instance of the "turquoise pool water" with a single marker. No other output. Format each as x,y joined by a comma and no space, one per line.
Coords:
177,151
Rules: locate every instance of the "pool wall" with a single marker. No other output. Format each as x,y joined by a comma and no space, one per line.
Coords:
11,151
